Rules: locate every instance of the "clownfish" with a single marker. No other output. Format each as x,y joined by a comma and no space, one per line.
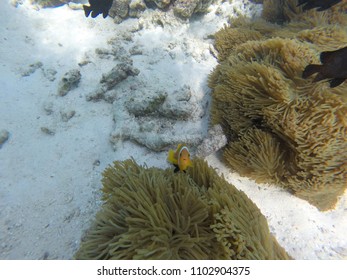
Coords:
180,158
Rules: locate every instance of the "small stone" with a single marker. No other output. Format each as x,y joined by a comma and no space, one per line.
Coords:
67,115
84,62
69,82
103,53
47,130
48,107
136,50
118,73
4,135
96,95
50,74
119,52
31,69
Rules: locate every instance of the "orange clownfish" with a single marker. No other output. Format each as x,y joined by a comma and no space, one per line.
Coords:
180,158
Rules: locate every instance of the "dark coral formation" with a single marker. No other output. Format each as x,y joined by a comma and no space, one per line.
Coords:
281,128
149,213
122,9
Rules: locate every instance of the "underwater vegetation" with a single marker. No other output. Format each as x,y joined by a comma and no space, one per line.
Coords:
281,128
150,213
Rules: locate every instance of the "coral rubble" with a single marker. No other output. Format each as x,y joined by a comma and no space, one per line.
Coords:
123,9
70,81
49,3
149,213
157,118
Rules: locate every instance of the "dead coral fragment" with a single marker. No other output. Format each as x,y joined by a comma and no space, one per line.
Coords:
151,213
70,81
49,3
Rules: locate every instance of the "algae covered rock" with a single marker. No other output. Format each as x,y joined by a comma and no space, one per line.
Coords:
186,8
281,128
149,213
31,69
162,4
157,118
117,74
50,3
120,8
136,7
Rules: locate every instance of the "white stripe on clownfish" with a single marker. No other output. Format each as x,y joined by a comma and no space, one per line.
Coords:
180,153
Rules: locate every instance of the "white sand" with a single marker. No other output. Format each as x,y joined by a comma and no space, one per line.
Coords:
50,184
